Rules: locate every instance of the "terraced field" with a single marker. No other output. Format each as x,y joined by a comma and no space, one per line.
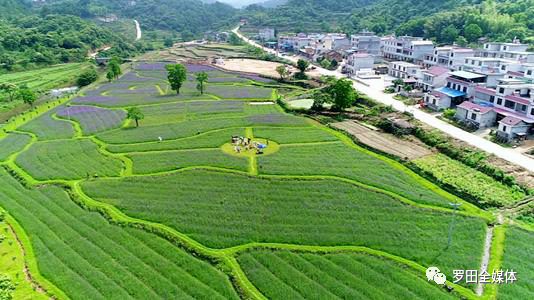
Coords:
284,274
172,210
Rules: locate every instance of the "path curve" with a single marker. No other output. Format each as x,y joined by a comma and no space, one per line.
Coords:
473,140
138,31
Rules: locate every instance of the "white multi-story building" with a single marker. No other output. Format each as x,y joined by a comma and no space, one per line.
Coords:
366,41
459,87
404,70
359,61
407,48
433,78
450,57
267,34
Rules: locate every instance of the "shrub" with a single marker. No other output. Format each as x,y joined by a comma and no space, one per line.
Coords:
87,77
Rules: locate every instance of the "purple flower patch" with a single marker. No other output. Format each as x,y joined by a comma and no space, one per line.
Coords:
152,66
199,68
239,92
93,119
94,99
215,106
275,119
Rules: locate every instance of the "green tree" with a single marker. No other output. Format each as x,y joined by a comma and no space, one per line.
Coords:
110,75
134,113
115,66
234,39
87,77
449,34
319,99
202,79
302,65
461,41
342,92
10,89
168,42
27,96
472,32
177,76
282,71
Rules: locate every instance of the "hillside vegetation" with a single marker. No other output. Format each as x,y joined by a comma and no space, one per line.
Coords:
443,21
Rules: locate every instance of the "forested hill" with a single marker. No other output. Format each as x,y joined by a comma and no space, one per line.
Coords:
177,15
30,41
442,20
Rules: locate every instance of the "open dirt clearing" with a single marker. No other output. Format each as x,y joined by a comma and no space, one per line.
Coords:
382,141
267,68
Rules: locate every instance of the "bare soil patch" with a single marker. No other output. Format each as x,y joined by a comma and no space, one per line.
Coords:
384,142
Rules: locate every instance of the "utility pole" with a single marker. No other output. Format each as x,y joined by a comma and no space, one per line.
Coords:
451,227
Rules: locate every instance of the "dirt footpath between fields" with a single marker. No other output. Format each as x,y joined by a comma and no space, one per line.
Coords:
384,142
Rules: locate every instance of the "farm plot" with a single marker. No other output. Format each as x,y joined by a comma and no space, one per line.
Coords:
485,189
341,160
168,131
294,135
239,92
163,113
93,119
46,78
146,163
211,139
257,108
12,143
223,210
67,159
519,256
87,258
48,128
287,275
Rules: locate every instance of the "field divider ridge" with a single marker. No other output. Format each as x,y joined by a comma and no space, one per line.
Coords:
253,163
78,132
382,191
30,260
424,182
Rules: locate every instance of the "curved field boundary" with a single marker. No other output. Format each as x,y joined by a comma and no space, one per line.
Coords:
466,205
228,255
30,260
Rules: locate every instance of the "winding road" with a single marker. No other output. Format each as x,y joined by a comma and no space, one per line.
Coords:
139,33
377,94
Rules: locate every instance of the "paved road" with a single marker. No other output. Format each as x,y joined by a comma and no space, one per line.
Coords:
377,94
139,34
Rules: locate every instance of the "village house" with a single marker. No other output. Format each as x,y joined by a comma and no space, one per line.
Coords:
359,61
450,57
267,34
433,78
366,41
404,70
407,48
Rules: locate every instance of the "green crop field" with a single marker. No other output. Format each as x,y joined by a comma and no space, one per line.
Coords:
12,143
46,78
287,275
47,127
171,210
87,258
519,256
340,160
224,210
484,188
146,163
67,159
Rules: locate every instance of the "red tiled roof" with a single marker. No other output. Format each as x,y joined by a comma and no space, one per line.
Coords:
472,106
437,70
513,114
510,121
485,90
518,99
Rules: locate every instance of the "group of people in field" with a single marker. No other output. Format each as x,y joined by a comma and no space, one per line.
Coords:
244,144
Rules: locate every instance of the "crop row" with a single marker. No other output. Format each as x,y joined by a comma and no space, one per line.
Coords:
67,159
222,210
48,128
343,161
193,127
288,275
87,258
519,256
93,119
12,143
